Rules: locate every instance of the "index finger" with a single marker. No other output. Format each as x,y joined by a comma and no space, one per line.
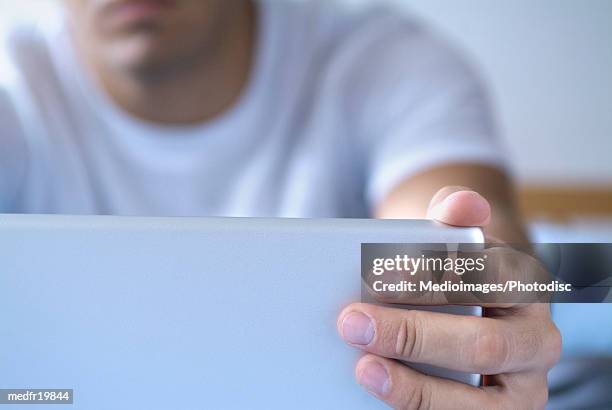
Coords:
464,343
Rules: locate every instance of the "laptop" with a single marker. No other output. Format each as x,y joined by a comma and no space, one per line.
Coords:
190,313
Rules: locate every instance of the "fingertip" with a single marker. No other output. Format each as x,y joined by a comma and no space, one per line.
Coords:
462,208
372,373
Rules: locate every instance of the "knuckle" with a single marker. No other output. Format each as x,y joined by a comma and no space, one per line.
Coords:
553,345
500,405
541,399
530,343
408,339
507,405
535,397
491,401
505,400
418,397
491,351
526,392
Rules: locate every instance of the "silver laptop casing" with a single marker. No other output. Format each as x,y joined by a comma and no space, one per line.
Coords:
190,313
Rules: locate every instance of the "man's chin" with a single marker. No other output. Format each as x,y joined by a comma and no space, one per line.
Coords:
136,46
141,57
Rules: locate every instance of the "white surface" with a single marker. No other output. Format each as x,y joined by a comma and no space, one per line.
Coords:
549,65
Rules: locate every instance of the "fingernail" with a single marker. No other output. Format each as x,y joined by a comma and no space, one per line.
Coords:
358,328
374,378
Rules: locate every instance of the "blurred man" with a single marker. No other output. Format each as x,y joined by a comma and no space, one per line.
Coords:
227,107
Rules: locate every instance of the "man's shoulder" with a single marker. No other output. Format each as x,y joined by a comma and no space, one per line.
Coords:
377,61
335,22
371,39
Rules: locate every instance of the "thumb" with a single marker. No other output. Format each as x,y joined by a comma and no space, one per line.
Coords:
459,206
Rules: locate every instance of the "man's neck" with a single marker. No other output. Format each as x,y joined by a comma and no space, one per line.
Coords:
195,92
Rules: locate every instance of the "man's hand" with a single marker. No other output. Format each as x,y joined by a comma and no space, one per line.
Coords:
514,346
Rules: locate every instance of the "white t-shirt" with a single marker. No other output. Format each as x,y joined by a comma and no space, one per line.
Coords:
340,107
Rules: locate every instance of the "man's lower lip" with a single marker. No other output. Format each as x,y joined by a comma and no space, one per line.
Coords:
140,9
